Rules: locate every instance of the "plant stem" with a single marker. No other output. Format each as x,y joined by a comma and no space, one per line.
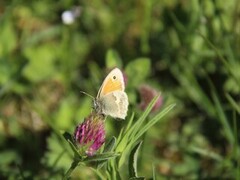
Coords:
70,170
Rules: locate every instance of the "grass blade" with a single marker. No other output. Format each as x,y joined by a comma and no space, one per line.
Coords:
233,103
135,128
153,121
206,153
153,173
222,117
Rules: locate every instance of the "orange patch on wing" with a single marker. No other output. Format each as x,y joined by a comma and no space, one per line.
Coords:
111,86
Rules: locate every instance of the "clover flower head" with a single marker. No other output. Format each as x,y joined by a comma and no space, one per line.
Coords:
90,135
147,93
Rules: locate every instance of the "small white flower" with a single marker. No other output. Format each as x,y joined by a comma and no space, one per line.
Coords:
69,16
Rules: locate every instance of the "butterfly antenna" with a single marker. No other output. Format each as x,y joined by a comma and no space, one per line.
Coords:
87,94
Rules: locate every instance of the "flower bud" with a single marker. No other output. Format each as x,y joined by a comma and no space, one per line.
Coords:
90,135
147,93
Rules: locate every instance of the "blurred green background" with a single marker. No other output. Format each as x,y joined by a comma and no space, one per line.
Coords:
188,50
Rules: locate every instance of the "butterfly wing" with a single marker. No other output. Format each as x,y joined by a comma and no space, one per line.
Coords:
114,104
113,82
111,99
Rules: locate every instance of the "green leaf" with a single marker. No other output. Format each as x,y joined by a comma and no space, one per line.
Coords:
113,171
138,178
120,136
58,154
233,103
153,173
137,71
65,113
108,148
137,130
223,60
98,173
101,157
110,145
133,160
221,115
154,120
7,157
206,153
113,59
70,170
68,136
6,71
69,139
130,121
8,38
135,127
41,62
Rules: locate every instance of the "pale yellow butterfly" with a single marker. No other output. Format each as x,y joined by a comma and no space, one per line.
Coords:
111,99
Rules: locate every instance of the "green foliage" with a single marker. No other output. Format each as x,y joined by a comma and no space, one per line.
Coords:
187,50
109,147
124,144
113,59
57,155
138,69
35,71
8,36
133,161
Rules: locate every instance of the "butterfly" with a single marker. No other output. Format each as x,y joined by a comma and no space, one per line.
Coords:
111,99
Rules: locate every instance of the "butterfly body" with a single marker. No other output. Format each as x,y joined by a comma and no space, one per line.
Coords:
111,99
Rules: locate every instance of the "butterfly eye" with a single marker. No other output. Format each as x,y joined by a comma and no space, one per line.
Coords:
114,77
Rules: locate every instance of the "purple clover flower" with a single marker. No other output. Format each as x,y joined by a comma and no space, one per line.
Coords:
147,93
90,135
